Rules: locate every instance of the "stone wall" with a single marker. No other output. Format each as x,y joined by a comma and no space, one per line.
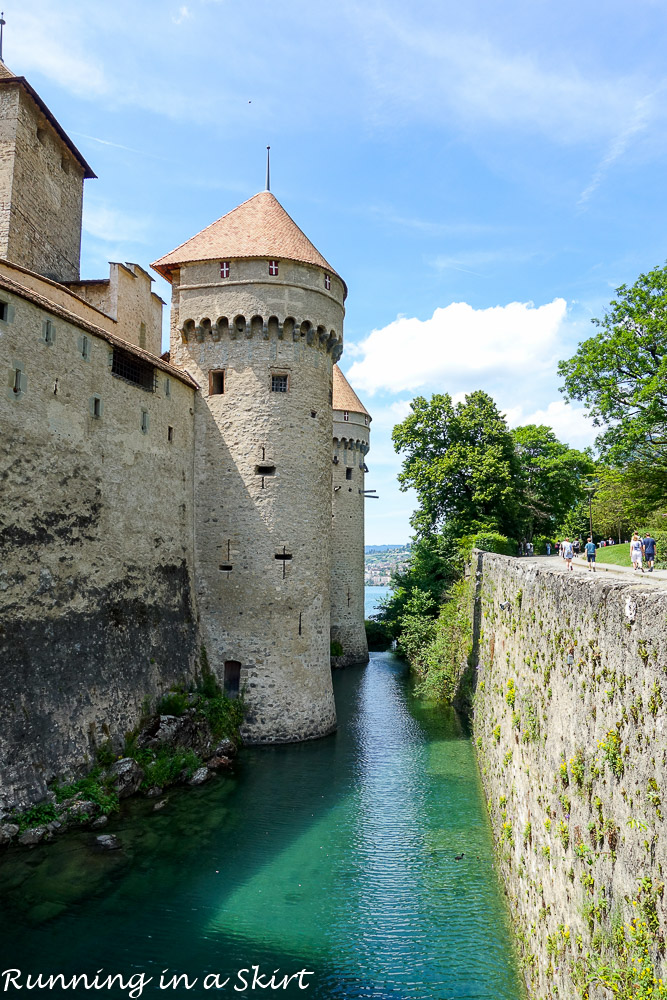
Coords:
41,184
263,483
347,555
96,526
569,721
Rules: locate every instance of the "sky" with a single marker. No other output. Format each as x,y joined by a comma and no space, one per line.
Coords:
482,175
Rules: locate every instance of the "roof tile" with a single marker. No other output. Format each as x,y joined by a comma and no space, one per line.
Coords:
260,227
344,396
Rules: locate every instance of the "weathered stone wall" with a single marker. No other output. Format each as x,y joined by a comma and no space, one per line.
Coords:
263,483
347,555
96,526
41,185
569,720
127,296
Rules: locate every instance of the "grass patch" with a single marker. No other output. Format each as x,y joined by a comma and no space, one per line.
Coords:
614,555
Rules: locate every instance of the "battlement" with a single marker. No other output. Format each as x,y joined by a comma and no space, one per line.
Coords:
271,328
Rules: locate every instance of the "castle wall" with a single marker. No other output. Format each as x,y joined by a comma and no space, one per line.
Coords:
348,554
263,484
96,542
570,724
41,219
127,297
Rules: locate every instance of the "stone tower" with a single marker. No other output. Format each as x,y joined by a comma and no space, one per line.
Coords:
257,320
351,430
41,184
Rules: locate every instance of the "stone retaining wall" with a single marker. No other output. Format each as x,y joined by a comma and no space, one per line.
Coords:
569,723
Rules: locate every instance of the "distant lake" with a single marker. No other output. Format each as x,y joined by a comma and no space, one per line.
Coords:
372,597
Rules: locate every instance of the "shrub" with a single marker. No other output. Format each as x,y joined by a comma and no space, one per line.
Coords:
378,636
335,649
490,541
173,703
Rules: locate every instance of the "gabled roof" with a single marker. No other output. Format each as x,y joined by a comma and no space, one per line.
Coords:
7,78
260,227
344,396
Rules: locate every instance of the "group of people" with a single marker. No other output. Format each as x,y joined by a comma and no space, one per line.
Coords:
642,550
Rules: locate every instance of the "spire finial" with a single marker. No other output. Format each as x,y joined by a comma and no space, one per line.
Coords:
2,24
268,168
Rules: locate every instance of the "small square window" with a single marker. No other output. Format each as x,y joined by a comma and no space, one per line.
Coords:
279,383
273,267
170,434
216,383
224,269
327,282
346,415
348,473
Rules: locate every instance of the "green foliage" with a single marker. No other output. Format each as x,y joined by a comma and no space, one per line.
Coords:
552,478
165,765
489,541
460,459
94,787
435,563
335,648
38,815
611,748
627,498
377,636
443,660
172,703
224,715
621,372
417,626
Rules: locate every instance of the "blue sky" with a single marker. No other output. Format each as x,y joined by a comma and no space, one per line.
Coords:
482,175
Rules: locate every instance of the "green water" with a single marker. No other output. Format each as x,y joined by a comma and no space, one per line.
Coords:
337,856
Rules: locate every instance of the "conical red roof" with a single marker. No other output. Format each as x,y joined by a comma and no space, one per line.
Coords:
260,227
344,396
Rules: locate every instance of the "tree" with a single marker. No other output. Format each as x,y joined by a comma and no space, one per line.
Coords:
553,478
621,372
462,463
627,498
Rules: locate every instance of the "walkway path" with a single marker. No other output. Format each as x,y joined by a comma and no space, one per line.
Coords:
626,573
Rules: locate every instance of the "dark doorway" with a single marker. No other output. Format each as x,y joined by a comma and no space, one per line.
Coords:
232,678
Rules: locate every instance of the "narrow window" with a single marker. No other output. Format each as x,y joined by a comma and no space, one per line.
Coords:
170,434
265,470
273,267
4,311
279,383
167,387
97,407
17,380
366,420
327,282
216,382
49,332
232,681
85,348
142,335
346,415
144,421
348,473
224,269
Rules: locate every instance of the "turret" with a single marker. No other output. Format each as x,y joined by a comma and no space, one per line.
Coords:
351,431
257,320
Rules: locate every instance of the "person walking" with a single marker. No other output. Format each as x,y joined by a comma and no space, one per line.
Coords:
568,552
548,548
650,546
636,549
590,554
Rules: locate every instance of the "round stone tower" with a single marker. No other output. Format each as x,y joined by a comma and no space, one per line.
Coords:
257,320
351,430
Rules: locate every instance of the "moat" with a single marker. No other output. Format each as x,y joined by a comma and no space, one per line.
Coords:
337,856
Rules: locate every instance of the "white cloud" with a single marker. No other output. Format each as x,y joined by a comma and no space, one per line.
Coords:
112,225
569,423
457,343
638,122
183,14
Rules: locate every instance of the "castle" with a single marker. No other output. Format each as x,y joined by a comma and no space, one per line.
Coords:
160,510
